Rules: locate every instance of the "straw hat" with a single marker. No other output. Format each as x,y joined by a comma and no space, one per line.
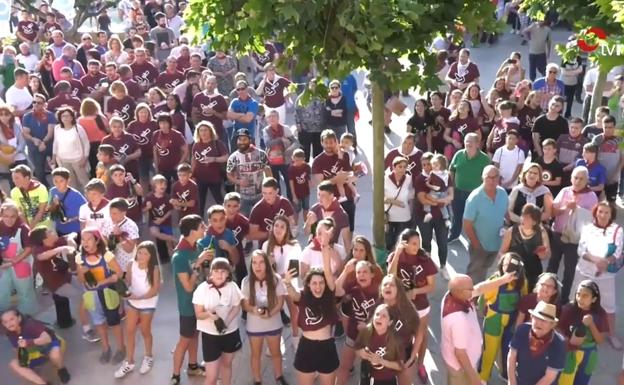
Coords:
545,311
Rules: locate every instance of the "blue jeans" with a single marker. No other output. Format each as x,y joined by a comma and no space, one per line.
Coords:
458,205
282,169
537,62
38,160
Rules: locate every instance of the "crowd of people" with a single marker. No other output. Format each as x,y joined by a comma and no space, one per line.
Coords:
115,139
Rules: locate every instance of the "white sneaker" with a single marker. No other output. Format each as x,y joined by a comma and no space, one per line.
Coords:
444,273
146,365
125,368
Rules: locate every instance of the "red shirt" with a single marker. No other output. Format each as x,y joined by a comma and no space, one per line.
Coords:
413,271
115,191
167,81
124,145
134,89
51,278
160,208
123,108
205,172
263,213
217,102
168,149
142,135
77,88
185,193
329,165
145,74
273,92
300,176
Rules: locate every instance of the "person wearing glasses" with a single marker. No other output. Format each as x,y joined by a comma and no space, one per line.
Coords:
549,86
243,110
336,109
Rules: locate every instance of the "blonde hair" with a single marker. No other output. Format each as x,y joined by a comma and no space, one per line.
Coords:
114,38
209,127
118,85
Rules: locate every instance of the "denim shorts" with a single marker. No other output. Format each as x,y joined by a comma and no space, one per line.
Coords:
302,204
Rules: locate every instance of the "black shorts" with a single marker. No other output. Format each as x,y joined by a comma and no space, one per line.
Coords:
316,356
385,382
188,326
213,346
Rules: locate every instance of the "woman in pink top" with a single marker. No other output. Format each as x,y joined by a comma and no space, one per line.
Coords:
570,198
95,125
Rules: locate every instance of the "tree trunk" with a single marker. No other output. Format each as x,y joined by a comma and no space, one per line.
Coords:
378,166
597,94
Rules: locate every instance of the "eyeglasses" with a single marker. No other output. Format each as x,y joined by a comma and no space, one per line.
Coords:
241,89
334,88
553,72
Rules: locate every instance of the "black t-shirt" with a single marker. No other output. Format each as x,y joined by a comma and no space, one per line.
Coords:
551,171
550,129
590,131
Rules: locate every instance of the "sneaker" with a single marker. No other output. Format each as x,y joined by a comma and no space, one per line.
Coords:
119,356
428,217
125,368
63,375
175,380
90,335
615,342
422,375
146,365
199,370
105,356
447,223
444,273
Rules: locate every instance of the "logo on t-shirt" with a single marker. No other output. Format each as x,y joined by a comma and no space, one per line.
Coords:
124,113
269,221
360,309
201,156
381,352
143,138
162,151
310,318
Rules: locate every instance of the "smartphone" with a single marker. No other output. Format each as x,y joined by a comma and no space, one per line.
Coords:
294,264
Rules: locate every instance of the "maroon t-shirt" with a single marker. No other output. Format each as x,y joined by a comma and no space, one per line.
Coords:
179,122
188,192
378,345
273,92
77,88
183,63
240,227
160,208
336,212
124,145
134,89
262,214
572,317
267,56
167,81
310,316
145,73
51,278
208,172
470,74
62,100
460,127
90,82
49,27
300,176
362,301
413,271
134,208
420,185
499,133
123,108
28,28
216,102
414,166
168,149
142,135
329,165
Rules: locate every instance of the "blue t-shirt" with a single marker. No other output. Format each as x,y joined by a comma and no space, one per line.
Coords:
597,172
227,235
243,107
38,129
73,200
487,216
348,89
531,369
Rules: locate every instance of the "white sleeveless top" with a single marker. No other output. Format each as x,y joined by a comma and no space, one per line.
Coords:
140,286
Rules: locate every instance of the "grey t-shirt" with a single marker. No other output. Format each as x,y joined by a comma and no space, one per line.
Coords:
161,35
539,36
256,324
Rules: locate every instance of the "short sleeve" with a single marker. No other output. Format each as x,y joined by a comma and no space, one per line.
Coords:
179,264
245,288
515,340
109,256
199,294
429,267
557,356
280,288
470,210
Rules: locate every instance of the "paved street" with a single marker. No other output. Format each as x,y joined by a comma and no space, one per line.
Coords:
82,357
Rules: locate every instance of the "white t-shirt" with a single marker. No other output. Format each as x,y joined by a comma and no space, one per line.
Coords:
591,77
93,218
131,229
256,324
29,62
508,161
283,254
19,98
314,258
207,296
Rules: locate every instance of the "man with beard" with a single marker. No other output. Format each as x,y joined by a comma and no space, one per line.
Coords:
211,106
537,351
328,206
92,77
163,36
145,73
246,169
336,168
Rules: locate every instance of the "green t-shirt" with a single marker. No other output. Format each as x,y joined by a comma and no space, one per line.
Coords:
182,260
468,171
28,202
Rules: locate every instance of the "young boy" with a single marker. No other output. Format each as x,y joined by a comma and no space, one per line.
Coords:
346,148
552,171
160,209
597,172
184,192
219,237
121,232
509,160
239,224
123,185
95,212
69,199
106,159
299,178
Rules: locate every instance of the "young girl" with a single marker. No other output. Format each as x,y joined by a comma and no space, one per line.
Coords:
501,308
99,271
316,352
263,297
584,324
547,289
143,278
217,306
438,182
378,344
363,292
417,272
160,209
504,122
